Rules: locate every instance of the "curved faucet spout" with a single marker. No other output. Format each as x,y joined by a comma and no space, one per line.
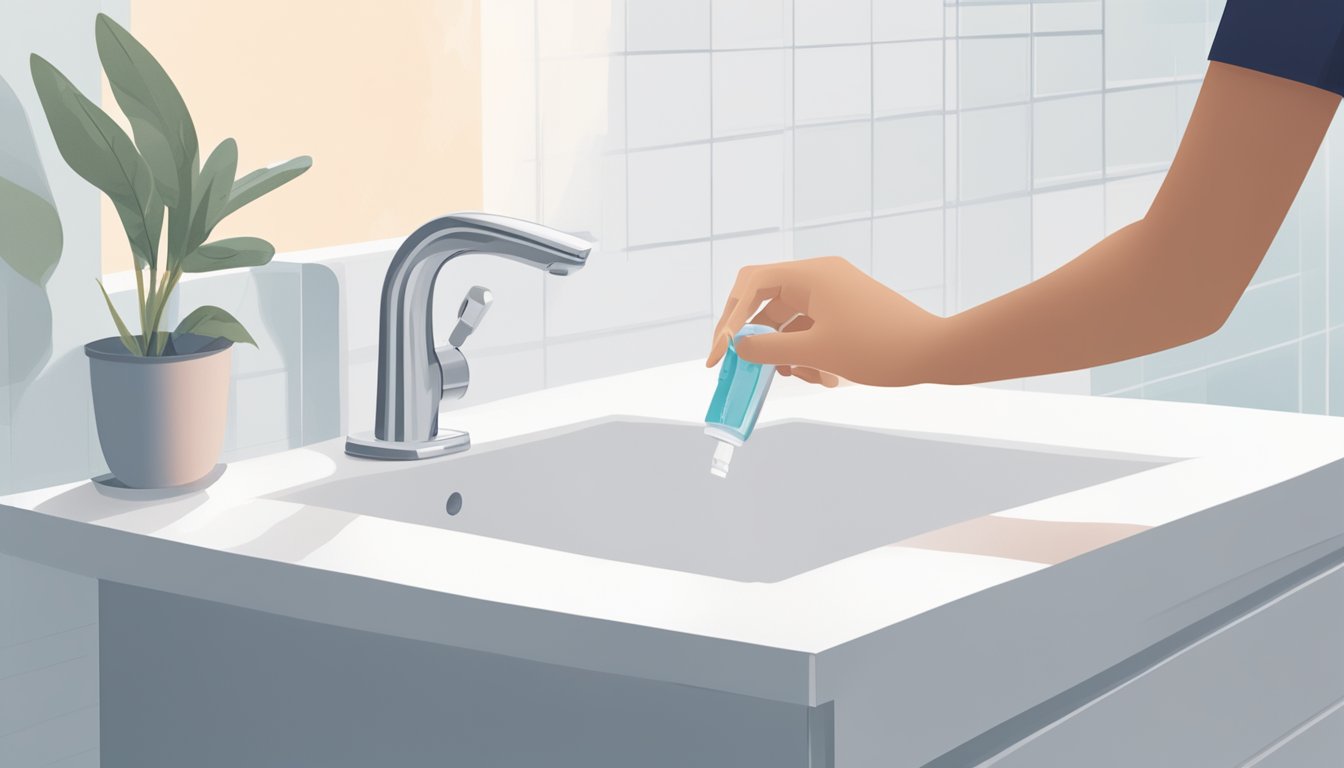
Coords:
410,379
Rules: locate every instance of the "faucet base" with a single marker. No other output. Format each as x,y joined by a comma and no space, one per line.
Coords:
366,446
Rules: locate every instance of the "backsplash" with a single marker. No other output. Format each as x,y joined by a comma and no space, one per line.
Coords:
953,150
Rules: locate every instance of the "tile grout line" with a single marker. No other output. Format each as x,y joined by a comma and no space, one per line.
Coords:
942,198
1219,363
953,291
1031,141
1300,285
625,124
1329,194
1105,160
832,122
872,143
814,46
793,127
790,138
710,10
536,110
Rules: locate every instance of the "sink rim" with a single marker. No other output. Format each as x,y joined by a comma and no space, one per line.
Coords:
420,505
822,609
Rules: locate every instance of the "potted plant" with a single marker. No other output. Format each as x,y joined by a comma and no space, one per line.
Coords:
160,397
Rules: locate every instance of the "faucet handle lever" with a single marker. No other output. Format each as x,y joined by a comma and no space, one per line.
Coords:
470,314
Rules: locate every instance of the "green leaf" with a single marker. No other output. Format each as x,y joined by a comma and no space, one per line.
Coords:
229,253
264,181
215,323
132,343
32,232
100,151
30,226
163,128
212,192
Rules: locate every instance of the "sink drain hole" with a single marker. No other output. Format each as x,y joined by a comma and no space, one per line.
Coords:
454,504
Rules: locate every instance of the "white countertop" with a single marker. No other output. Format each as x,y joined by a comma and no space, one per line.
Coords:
230,543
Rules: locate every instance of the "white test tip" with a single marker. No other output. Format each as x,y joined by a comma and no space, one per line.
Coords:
723,456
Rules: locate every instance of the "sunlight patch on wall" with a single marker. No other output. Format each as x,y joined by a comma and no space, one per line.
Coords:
385,97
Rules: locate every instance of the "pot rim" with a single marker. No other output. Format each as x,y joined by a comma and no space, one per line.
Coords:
112,349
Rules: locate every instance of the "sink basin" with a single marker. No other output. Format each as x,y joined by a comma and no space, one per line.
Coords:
800,494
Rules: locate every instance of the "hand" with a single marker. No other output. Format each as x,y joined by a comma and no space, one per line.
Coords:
836,321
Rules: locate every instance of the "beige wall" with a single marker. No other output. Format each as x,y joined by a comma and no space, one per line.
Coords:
385,96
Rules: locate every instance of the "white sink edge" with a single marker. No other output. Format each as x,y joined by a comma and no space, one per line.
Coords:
808,614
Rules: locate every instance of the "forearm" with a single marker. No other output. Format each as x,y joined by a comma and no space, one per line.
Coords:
1175,275
1102,307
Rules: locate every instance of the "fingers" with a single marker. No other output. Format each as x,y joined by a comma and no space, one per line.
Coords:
777,348
815,376
753,286
780,316
811,375
734,317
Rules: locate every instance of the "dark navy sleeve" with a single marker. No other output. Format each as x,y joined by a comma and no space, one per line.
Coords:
1295,39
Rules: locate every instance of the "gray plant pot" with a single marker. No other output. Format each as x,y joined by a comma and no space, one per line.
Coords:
161,420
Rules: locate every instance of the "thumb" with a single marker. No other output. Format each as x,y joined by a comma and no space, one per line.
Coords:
793,348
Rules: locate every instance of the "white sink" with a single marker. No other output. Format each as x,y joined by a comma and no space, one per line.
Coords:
930,576
801,494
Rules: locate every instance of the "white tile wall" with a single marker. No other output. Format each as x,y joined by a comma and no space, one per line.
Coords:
830,22
955,149
1067,140
669,194
668,98
993,151
752,23
577,27
993,249
832,172
995,70
575,102
896,88
751,91
1064,225
832,83
733,253
908,250
975,19
1127,199
853,240
748,184
568,361
643,287
908,163
1141,129
907,19
657,25
1151,40
1067,16
1067,64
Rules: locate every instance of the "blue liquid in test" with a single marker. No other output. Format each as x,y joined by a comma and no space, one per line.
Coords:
741,391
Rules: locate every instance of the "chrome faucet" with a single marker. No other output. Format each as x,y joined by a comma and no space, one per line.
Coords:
413,375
